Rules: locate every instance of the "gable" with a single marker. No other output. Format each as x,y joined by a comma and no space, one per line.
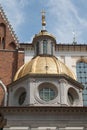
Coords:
8,39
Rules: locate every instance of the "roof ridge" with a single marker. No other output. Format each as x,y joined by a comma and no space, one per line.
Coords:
8,24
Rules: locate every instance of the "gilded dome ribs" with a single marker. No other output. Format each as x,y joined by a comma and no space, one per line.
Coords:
34,65
44,65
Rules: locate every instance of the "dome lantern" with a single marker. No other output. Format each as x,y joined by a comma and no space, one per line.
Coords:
44,42
44,62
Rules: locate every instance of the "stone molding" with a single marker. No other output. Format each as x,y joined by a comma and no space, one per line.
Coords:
43,116
63,109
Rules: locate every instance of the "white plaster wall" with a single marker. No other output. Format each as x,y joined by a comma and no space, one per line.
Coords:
28,55
70,58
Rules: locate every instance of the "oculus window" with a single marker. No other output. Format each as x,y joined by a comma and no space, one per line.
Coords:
47,94
73,97
22,98
70,98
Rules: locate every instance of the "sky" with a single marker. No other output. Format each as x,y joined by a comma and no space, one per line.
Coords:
64,19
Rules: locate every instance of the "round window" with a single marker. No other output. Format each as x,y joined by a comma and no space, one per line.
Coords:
47,93
22,98
70,98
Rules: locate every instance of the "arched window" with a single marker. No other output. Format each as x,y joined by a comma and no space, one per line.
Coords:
44,46
2,35
72,97
22,97
81,70
37,48
51,48
3,43
19,96
12,45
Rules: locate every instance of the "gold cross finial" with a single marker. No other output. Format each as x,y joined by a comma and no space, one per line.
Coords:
43,19
43,12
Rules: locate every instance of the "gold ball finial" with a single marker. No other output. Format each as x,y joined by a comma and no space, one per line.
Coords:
43,19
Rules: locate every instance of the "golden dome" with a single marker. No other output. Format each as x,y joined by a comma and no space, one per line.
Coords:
44,33
44,65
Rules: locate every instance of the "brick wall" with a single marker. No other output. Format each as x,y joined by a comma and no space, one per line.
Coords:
10,61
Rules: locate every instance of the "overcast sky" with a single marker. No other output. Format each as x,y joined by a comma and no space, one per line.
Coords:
63,17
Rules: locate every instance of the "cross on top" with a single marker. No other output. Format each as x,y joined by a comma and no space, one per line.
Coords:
43,12
43,20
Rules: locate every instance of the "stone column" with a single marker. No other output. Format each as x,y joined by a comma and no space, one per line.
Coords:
63,92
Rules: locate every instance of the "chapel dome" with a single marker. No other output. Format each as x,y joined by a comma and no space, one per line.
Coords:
44,65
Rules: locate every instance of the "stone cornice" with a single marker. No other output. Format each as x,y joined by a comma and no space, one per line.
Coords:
45,109
48,76
62,47
44,115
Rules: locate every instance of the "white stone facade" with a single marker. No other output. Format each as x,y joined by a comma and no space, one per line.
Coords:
32,87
